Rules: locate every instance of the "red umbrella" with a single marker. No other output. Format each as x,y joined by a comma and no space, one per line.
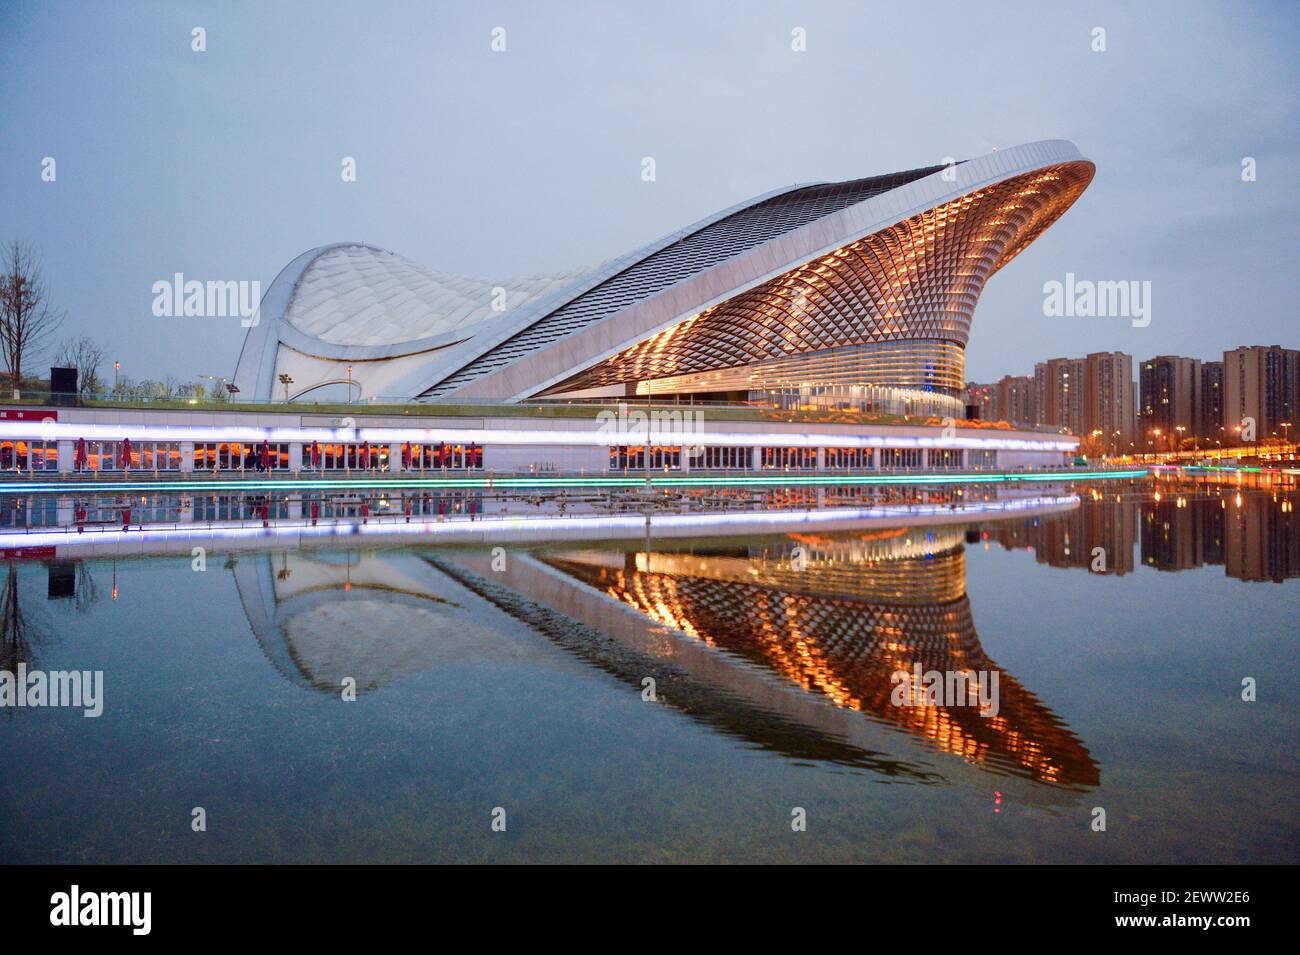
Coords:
315,454
79,459
266,455
365,455
126,453
406,456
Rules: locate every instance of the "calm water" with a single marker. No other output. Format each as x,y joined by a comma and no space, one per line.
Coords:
516,680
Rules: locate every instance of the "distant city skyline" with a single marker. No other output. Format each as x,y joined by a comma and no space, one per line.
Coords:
1248,393
223,164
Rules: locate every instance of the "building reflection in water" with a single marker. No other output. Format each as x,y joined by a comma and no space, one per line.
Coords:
1253,534
372,616
788,644
837,617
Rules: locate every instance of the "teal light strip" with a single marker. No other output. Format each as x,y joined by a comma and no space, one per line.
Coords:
777,479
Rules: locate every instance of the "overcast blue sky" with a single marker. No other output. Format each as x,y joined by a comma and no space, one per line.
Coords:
226,164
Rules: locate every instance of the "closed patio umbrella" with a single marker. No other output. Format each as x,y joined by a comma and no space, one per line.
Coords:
126,454
266,455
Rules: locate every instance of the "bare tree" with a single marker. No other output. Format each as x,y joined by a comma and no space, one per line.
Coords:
20,632
27,319
86,355
87,591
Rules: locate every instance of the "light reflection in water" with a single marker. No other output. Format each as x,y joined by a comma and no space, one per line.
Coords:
837,620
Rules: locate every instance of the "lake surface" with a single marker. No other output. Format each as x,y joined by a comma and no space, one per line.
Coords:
677,700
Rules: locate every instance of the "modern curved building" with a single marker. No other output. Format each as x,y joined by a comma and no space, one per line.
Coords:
854,294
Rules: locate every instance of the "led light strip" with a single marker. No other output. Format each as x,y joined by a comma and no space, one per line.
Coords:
652,481
613,437
343,527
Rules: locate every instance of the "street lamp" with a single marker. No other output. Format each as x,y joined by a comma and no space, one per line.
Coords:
117,366
349,384
286,381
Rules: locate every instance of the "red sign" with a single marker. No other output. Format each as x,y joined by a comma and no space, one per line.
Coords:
28,414
27,553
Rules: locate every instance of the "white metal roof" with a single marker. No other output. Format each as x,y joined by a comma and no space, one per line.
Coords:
360,295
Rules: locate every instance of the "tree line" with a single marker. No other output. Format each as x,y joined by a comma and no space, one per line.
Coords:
29,325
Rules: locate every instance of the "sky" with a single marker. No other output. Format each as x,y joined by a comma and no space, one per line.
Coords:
226,164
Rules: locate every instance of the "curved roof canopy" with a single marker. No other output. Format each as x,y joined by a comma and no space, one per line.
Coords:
799,270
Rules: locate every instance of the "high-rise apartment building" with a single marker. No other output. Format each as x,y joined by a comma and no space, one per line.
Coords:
1209,424
1169,392
1261,383
1060,383
1017,398
1109,406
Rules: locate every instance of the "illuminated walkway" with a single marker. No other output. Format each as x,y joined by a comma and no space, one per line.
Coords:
79,485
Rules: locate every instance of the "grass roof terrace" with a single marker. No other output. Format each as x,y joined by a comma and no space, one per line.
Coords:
571,410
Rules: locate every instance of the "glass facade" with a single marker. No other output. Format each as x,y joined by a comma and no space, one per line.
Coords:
22,455
455,456
234,455
723,459
789,459
915,378
849,458
640,457
900,457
